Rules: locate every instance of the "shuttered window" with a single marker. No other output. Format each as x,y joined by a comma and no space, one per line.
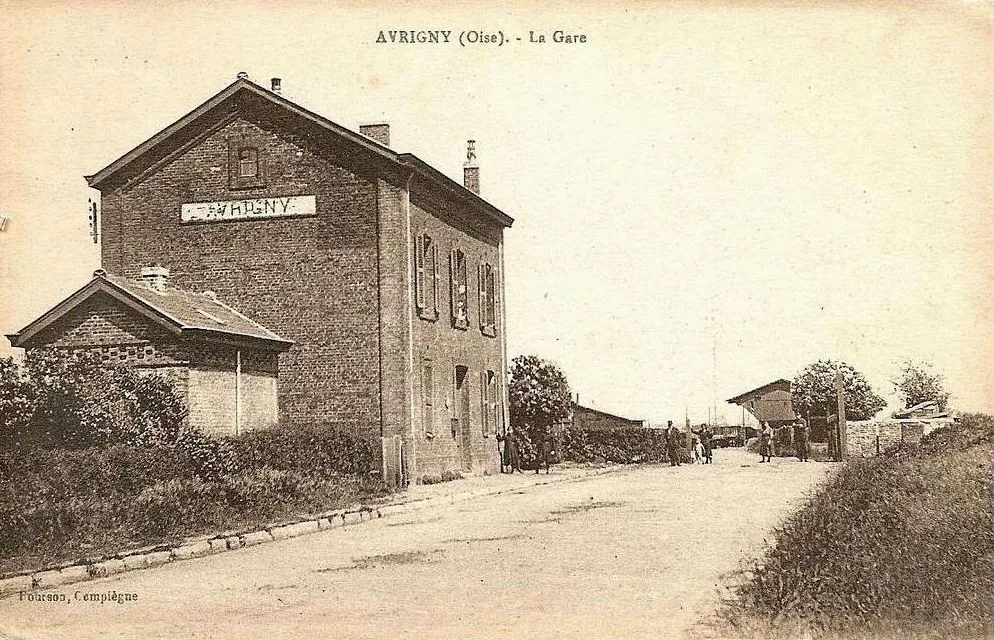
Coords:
428,395
489,405
459,291
426,277
487,282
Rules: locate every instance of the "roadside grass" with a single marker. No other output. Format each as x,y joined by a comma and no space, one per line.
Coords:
897,546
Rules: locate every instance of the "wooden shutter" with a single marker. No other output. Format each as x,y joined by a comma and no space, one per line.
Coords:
428,389
491,278
481,281
419,272
484,408
454,284
434,278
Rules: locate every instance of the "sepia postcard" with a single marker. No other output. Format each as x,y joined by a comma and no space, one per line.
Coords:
496,320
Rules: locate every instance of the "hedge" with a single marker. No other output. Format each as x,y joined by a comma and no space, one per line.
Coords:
61,504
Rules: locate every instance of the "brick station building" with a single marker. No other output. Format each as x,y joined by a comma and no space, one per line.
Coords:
386,275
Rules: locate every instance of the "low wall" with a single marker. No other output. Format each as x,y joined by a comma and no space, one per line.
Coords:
870,437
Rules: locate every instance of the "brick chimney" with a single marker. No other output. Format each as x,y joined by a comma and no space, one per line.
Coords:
470,170
276,85
378,132
155,277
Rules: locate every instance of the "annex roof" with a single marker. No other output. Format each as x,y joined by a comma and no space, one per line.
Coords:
580,407
183,313
780,384
405,161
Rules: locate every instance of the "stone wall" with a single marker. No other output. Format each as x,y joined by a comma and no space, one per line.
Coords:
870,437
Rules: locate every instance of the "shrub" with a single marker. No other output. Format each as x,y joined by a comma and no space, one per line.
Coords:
70,400
17,400
623,446
210,458
321,449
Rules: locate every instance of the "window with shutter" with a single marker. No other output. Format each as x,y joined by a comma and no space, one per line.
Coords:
459,290
419,272
434,280
426,277
485,403
488,299
428,394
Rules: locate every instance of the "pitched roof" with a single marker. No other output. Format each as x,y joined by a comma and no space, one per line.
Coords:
183,313
758,391
580,407
243,86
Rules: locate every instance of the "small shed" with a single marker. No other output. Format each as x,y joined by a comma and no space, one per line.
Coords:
223,364
770,403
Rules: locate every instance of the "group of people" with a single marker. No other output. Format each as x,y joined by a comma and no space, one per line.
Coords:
701,446
800,435
510,457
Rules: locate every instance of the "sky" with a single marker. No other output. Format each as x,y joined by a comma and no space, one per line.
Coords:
707,196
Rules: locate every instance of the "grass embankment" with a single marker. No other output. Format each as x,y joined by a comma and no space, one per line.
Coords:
898,546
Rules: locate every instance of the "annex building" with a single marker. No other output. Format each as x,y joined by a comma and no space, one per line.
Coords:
381,278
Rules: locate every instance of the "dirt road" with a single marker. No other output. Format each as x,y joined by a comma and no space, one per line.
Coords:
631,554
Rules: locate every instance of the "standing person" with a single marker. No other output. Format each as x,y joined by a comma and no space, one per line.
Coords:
510,461
543,450
801,437
672,444
706,437
766,443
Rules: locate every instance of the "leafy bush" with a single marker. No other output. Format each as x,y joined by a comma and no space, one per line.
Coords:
210,458
900,545
69,400
322,449
17,400
623,446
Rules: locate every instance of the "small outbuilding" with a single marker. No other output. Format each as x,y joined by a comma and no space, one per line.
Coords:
223,364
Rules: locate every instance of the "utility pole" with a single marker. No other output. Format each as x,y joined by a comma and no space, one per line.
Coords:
840,395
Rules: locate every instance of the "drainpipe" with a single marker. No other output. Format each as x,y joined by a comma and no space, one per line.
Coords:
238,391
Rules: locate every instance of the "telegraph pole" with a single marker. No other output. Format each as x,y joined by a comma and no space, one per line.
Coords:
840,396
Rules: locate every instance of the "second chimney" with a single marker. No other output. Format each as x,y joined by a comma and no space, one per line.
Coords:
379,132
470,170
155,277
277,85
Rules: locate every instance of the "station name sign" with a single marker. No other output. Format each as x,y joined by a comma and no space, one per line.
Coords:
281,207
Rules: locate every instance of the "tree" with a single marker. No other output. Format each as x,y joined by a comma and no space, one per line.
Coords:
17,400
813,390
78,402
918,383
540,396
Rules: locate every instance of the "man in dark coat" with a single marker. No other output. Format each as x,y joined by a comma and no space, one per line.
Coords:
672,444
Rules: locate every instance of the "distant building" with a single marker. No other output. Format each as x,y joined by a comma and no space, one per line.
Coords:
770,403
591,419
223,364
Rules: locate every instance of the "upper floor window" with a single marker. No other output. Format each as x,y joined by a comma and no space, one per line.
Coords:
426,277
459,289
488,299
248,163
